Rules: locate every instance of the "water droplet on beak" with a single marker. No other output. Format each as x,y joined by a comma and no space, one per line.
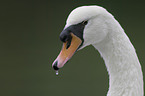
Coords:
56,72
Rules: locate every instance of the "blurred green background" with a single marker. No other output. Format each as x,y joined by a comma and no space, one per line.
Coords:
29,42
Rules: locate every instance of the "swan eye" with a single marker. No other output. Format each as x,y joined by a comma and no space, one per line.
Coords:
85,22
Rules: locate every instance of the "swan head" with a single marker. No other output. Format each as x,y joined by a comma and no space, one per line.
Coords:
84,26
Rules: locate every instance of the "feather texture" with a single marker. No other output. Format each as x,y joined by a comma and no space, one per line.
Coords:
105,33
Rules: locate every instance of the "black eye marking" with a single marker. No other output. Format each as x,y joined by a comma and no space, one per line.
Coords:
85,22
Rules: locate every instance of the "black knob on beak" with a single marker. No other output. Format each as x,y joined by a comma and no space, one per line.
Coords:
55,66
65,36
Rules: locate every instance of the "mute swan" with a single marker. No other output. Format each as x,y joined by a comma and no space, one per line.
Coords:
94,25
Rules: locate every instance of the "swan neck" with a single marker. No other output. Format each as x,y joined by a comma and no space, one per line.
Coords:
125,74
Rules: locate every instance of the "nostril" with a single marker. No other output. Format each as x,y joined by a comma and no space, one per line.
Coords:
55,66
68,43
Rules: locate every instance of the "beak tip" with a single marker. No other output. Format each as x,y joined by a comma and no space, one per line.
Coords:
55,66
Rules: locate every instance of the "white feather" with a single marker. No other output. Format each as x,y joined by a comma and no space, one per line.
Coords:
105,33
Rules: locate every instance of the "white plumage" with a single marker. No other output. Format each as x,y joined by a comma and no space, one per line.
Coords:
105,33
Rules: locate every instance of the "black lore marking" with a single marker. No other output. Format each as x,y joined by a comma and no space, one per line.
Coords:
76,30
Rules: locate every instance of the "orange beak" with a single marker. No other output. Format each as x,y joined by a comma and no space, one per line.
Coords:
65,53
